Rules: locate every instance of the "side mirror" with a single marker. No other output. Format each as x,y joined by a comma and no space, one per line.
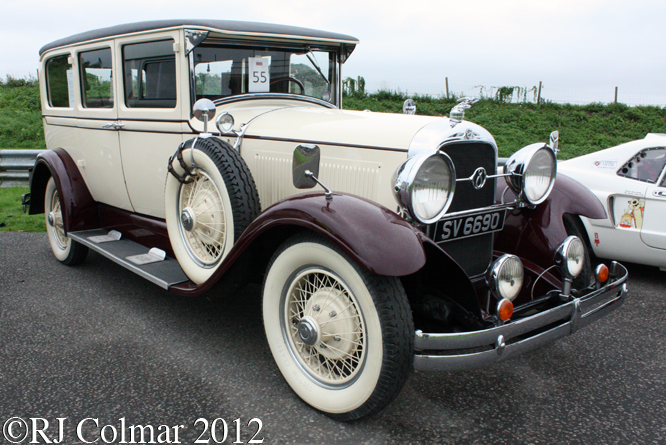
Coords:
306,159
204,110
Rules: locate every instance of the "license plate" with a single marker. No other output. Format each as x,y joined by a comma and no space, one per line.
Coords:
469,225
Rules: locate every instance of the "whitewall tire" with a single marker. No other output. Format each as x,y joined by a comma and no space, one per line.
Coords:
342,337
64,249
207,213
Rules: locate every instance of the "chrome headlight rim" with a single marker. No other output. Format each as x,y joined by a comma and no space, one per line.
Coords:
517,166
497,275
405,177
570,256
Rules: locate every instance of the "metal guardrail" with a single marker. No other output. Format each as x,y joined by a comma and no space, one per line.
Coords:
14,166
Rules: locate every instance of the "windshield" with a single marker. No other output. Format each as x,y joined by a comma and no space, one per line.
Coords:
223,71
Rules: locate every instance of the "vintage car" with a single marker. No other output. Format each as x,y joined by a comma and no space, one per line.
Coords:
181,149
630,180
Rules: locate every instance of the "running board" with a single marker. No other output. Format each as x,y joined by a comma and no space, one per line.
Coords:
164,273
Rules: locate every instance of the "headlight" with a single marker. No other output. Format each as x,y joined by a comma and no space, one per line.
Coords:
425,185
532,173
570,255
505,277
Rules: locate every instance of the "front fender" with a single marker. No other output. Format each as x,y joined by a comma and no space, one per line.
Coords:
79,210
535,234
376,238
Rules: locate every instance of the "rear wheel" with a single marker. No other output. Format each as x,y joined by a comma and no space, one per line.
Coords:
342,337
67,251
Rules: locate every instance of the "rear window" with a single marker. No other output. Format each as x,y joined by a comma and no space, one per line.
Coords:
59,81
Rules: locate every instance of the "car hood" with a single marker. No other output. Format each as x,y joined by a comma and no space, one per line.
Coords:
319,125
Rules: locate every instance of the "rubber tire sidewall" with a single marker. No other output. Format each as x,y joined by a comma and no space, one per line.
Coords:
349,398
192,269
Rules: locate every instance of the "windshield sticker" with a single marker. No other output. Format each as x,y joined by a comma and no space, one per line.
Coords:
600,163
633,214
259,75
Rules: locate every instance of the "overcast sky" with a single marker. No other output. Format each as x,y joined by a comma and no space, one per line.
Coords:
579,48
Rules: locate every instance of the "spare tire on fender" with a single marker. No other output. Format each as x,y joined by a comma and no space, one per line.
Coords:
209,205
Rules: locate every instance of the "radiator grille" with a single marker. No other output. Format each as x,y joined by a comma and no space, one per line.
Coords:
473,254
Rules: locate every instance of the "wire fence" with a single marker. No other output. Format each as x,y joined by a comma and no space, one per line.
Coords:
518,94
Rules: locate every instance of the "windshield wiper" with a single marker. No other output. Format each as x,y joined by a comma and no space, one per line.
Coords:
310,55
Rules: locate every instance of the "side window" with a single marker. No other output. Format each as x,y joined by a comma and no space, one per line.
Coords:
149,75
96,78
59,82
645,166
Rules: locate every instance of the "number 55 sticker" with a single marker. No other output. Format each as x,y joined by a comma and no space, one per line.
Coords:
259,76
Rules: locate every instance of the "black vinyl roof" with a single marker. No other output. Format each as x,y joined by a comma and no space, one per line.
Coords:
223,25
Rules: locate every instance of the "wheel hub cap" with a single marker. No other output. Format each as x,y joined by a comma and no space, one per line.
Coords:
187,219
308,331
50,219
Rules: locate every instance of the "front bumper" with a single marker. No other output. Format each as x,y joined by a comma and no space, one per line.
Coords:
465,350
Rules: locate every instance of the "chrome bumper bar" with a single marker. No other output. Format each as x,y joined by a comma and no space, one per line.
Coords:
465,350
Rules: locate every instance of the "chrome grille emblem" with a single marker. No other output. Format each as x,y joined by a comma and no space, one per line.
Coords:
479,178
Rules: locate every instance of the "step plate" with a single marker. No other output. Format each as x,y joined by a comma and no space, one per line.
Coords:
164,273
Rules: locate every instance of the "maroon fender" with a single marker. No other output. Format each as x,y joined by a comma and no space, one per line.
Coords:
534,234
376,238
79,210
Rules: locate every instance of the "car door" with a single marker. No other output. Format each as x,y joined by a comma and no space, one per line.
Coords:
151,110
645,211
98,155
653,232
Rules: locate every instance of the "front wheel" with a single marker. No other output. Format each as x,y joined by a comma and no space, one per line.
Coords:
342,337
64,249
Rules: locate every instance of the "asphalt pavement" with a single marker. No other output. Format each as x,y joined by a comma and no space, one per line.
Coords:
97,351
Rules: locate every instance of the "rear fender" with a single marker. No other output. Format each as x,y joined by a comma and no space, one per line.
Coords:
79,210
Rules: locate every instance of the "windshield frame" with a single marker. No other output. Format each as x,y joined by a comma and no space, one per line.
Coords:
303,48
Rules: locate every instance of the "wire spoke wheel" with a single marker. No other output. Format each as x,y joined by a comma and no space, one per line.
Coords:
202,222
64,249
55,221
208,212
342,337
325,327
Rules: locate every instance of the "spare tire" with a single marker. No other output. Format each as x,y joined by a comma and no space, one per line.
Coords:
208,211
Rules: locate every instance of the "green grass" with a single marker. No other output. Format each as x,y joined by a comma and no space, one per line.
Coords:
12,218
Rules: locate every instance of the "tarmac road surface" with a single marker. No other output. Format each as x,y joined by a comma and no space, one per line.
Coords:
102,350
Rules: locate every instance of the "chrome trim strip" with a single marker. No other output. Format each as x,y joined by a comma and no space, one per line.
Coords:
575,314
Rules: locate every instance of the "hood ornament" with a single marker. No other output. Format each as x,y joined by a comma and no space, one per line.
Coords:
457,114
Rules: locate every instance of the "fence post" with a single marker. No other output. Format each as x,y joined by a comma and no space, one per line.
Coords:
539,94
615,95
447,87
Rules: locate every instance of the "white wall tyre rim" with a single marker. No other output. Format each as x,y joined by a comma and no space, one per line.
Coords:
357,388
57,226
197,266
60,243
202,199
324,302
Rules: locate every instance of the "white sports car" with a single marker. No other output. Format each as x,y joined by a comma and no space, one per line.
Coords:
630,181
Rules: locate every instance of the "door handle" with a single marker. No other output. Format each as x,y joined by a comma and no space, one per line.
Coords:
117,125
